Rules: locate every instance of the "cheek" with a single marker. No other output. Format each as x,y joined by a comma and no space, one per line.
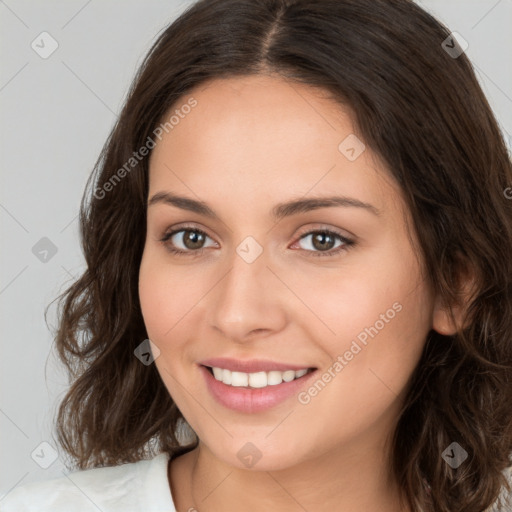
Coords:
156,300
378,315
166,294
380,338
343,303
371,362
166,297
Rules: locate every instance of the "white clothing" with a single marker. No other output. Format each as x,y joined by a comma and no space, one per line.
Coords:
138,486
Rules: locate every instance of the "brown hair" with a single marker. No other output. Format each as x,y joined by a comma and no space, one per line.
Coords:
423,112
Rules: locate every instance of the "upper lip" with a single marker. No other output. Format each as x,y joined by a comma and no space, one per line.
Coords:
252,365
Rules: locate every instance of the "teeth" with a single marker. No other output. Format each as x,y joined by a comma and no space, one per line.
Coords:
288,375
226,376
238,379
274,378
258,379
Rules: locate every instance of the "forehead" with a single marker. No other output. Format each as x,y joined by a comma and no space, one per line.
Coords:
257,137
261,112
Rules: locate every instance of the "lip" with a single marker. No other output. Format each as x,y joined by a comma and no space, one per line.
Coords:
253,400
251,366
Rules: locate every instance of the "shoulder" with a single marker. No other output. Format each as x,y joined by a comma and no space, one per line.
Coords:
141,485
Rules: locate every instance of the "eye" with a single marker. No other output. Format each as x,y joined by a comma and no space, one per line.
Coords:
321,242
191,239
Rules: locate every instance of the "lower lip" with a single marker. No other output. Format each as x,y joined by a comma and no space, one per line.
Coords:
251,400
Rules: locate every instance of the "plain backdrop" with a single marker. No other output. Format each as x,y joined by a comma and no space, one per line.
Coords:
56,114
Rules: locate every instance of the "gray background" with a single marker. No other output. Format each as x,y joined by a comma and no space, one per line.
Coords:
56,113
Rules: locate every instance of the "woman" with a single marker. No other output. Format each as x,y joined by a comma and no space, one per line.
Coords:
309,222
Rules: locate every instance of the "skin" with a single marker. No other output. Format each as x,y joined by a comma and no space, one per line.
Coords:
249,144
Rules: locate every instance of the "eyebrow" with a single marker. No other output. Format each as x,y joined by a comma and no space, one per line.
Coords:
280,210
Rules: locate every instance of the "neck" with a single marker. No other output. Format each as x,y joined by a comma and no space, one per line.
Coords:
350,479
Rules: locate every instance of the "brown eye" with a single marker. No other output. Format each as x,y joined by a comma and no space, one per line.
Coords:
323,243
192,239
185,240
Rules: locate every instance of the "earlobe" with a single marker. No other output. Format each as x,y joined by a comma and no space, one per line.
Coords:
448,322
442,321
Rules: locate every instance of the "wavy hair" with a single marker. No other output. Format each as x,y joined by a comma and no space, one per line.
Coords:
419,108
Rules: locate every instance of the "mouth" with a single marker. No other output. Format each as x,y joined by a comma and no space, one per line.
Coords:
257,391
255,380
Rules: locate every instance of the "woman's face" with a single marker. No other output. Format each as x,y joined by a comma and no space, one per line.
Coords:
265,285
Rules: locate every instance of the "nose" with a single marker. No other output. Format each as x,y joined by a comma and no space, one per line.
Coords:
249,299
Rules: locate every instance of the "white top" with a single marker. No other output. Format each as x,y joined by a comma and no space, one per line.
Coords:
141,485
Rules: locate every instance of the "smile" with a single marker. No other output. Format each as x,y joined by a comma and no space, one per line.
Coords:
256,391
257,379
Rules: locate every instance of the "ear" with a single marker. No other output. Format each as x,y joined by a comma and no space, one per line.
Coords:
448,319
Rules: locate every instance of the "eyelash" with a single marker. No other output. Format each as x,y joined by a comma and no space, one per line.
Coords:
347,243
